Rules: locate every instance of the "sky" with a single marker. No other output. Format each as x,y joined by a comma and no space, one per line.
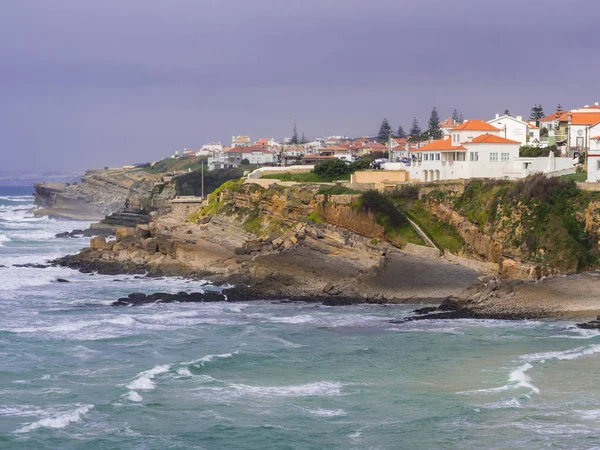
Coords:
87,84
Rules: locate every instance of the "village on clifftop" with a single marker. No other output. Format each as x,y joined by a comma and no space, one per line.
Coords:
504,147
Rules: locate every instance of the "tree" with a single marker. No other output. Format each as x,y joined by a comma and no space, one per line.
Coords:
455,115
400,133
303,139
415,129
295,139
506,112
331,168
433,126
460,118
385,131
537,113
559,108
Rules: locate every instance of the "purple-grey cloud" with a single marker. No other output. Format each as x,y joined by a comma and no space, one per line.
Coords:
103,83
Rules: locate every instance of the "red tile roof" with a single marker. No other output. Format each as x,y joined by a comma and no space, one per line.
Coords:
448,123
596,138
560,116
490,139
587,118
476,125
440,145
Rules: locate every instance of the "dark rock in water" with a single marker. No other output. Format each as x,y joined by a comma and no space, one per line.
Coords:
591,325
138,298
461,314
2,266
32,266
426,310
62,235
62,280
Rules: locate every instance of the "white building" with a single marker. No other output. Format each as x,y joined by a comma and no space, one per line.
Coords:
593,160
514,128
581,127
241,141
212,147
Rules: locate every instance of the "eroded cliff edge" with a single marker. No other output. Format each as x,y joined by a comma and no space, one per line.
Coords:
282,242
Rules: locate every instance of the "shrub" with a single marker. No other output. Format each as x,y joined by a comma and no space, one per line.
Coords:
331,168
527,151
384,209
244,162
540,188
410,192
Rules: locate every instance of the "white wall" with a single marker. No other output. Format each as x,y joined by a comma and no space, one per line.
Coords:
511,128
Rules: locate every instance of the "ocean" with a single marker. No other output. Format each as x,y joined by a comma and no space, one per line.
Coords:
77,373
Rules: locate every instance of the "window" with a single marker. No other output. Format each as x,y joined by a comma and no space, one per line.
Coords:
455,138
494,157
505,156
426,156
460,157
598,165
474,156
437,156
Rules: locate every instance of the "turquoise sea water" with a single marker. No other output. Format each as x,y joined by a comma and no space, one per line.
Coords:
76,373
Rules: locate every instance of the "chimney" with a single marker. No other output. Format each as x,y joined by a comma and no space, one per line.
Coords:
497,116
520,118
596,104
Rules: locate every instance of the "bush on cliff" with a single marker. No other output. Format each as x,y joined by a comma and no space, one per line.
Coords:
538,219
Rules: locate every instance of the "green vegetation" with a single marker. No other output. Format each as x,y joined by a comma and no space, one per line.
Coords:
443,235
253,223
316,217
333,168
304,177
397,228
191,183
213,199
580,177
336,190
540,218
527,151
175,164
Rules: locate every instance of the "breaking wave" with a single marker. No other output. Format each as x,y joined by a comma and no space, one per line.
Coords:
59,421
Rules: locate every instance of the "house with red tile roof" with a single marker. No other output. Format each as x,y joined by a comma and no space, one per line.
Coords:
474,149
448,125
241,141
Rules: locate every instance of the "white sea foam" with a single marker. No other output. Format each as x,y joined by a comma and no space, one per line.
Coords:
209,358
288,343
144,380
305,318
184,372
564,355
318,389
134,396
322,412
4,239
59,421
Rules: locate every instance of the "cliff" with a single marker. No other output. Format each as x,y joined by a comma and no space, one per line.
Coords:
532,228
100,193
272,242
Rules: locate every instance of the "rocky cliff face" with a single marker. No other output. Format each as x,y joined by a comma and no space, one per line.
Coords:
278,243
100,193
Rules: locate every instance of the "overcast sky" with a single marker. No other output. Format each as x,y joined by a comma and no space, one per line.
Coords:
88,83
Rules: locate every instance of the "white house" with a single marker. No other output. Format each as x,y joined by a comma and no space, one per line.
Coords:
241,141
212,147
581,128
513,128
593,160
474,149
